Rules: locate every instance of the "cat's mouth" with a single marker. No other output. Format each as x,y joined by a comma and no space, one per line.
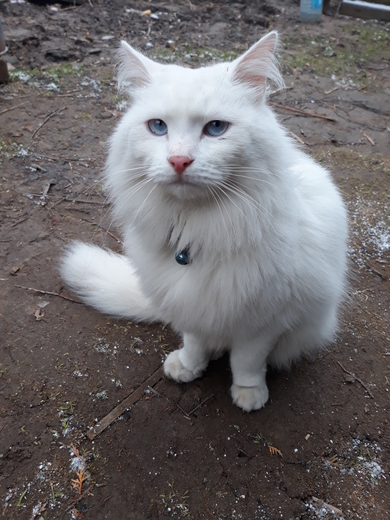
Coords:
184,187
181,180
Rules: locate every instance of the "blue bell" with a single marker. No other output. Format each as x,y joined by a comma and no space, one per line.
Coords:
183,258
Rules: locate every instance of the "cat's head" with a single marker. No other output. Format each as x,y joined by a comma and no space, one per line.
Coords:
190,131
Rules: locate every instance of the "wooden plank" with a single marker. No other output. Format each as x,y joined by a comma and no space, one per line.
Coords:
365,10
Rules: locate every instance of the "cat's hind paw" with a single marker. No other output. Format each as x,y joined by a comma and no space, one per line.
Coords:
175,369
250,397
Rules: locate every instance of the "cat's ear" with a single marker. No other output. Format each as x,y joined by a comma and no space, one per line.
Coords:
259,64
134,69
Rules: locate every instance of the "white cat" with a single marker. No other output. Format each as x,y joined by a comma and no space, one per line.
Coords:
231,234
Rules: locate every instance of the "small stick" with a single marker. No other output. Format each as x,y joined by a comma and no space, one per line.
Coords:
328,506
331,90
109,232
13,108
280,89
182,411
55,113
369,139
131,399
87,202
357,379
56,203
384,277
169,401
80,497
70,93
199,405
154,391
20,221
187,414
297,138
47,292
302,112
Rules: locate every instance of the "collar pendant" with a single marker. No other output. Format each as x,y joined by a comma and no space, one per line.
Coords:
183,258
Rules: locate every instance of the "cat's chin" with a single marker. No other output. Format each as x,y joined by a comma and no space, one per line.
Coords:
185,190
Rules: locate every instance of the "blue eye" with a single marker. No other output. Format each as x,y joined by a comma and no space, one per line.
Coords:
157,127
216,128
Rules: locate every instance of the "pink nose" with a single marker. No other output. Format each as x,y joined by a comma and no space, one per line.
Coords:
180,163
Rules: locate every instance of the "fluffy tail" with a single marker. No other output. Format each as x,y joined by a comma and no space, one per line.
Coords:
106,281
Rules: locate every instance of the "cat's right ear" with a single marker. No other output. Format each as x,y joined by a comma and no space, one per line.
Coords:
133,68
258,65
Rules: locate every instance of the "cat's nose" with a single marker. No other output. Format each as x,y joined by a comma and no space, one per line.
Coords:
180,163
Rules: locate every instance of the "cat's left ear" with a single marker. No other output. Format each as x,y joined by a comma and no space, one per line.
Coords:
258,65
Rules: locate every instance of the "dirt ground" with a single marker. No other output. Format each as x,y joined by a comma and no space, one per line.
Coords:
320,447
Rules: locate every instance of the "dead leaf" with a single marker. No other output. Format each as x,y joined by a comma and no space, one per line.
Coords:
275,451
39,315
78,482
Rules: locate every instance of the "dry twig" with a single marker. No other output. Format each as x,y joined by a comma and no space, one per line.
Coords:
87,201
301,112
187,414
357,379
280,90
369,139
20,221
71,92
52,114
47,292
383,276
80,497
321,503
331,90
200,404
13,108
297,138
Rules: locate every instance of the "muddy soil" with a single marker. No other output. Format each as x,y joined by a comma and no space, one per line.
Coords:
320,447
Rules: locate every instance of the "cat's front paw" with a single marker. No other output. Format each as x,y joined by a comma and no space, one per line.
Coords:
174,369
250,397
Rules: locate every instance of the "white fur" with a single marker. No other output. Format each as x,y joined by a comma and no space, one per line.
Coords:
265,226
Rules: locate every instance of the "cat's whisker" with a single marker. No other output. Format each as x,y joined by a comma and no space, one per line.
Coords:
133,169
254,204
265,213
142,205
136,188
221,189
259,179
125,182
215,195
236,191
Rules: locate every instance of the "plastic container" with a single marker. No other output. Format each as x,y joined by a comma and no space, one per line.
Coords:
311,10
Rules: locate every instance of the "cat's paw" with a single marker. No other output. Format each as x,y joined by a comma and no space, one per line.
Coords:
174,369
250,397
